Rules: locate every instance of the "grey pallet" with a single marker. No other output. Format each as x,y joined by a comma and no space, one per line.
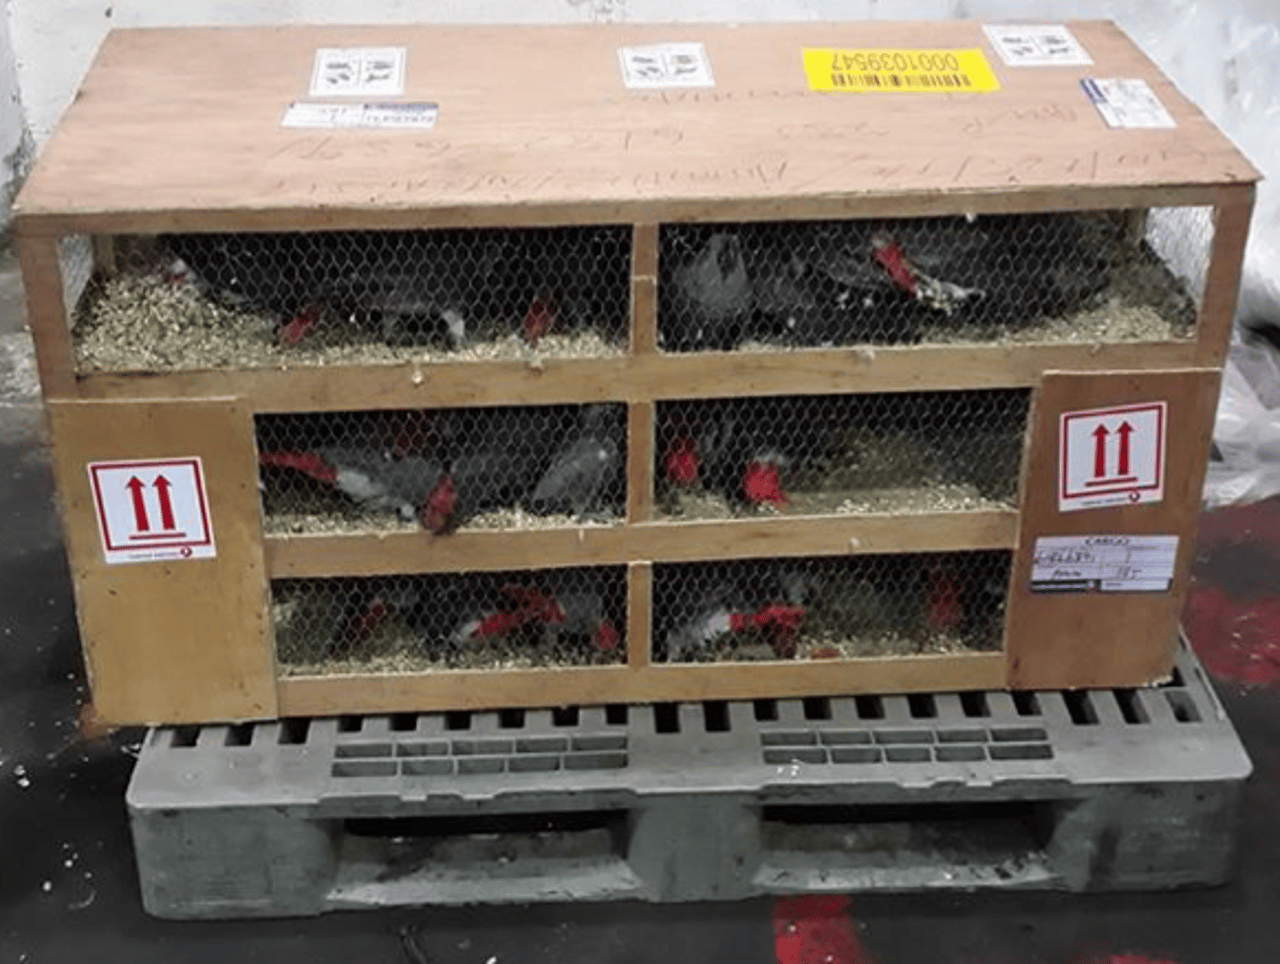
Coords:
1093,790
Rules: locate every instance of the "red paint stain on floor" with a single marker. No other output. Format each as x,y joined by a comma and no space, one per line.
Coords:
817,930
1236,639
1128,959
1232,615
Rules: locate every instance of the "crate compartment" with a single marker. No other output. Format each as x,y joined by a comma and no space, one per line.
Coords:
476,621
1102,276
198,301
508,467
897,452
830,608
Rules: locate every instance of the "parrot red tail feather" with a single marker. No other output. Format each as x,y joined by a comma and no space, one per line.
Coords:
761,483
890,257
942,608
607,637
782,623
682,461
297,329
309,463
499,624
437,513
539,319
537,605
364,624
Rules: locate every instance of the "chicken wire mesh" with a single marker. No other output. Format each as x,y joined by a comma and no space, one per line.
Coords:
509,467
192,301
414,623
75,263
1102,276
829,608
840,454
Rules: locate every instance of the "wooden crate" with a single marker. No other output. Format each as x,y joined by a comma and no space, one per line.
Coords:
536,130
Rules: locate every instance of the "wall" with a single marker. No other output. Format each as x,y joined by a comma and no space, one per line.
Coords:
1225,55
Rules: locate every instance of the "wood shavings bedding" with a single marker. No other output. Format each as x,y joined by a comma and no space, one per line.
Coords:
142,322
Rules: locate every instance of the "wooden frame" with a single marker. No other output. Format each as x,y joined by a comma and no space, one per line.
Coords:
757,147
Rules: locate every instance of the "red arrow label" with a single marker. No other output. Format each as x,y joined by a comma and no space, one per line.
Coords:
1100,452
140,521
166,507
1124,431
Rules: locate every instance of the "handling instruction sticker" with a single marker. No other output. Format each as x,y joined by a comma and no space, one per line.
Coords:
152,510
665,65
1127,103
358,71
898,71
1112,456
1046,45
420,115
1103,563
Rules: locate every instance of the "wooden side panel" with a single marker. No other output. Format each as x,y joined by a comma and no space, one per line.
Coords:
176,640
1222,284
1080,639
47,315
331,695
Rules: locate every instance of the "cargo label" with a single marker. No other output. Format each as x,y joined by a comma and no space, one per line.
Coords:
1073,564
898,71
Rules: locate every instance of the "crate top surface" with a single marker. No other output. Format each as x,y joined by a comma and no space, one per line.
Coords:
182,128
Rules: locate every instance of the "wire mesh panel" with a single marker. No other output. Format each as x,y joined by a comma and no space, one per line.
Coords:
194,301
1105,276
509,467
829,608
492,620
75,263
840,454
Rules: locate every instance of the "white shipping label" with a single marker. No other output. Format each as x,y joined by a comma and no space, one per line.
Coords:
358,71
1043,45
1112,456
1104,563
665,65
1127,103
418,115
150,510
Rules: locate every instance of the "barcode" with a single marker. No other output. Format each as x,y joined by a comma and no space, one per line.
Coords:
944,81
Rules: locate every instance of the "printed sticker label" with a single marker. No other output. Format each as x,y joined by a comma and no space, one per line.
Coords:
358,71
1112,456
1044,45
898,71
420,115
153,509
1127,103
1104,563
665,65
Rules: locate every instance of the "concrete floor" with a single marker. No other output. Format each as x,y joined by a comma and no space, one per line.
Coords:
68,890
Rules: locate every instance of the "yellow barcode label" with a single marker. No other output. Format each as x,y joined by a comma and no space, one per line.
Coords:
899,71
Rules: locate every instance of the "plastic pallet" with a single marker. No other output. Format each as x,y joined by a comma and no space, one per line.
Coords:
1088,790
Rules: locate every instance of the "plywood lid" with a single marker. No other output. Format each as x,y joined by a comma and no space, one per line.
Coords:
182,128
